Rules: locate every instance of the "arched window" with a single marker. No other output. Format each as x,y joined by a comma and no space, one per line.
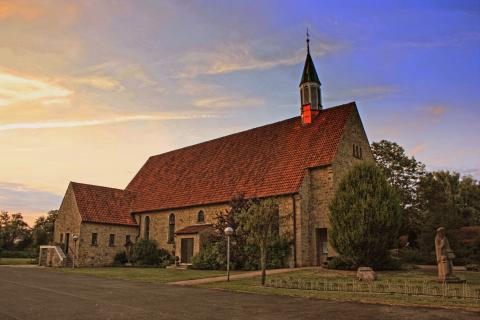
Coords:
146,228
201,216
171,228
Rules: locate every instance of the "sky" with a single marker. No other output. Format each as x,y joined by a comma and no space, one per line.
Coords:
90,89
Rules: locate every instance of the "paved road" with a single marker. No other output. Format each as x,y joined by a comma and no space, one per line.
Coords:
31,293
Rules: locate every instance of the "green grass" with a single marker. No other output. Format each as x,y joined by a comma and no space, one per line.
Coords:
253,286
158,275
15,261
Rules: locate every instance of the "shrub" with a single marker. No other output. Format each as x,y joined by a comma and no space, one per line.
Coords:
415,256
145,252
365,217
19,254
340,263
120,258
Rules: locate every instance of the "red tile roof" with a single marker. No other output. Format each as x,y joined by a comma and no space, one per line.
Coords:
264,161
103,205
194,229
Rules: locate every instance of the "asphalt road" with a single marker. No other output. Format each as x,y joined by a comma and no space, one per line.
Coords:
35,293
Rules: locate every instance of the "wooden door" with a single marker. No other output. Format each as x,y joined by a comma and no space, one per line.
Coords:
186,250
322,245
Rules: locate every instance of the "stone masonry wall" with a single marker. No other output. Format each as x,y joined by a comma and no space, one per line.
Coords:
102,254
68,220
185,217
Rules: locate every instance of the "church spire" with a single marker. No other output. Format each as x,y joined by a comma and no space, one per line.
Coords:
310,95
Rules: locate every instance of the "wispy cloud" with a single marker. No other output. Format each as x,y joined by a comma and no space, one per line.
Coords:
14,89
436,111
20,9
228,102
362,93
97,122
234,57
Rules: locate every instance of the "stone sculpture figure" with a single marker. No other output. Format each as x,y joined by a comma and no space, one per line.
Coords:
445,257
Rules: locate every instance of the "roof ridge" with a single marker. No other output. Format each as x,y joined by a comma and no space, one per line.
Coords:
251,129
98,186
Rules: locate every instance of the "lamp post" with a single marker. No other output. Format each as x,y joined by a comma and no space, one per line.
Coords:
228,233
75,238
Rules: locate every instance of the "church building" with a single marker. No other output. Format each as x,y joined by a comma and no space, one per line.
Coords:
174,197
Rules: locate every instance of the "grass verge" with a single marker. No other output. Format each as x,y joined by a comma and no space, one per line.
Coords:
252,285
157,275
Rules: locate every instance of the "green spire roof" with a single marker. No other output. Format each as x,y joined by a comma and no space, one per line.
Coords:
309,72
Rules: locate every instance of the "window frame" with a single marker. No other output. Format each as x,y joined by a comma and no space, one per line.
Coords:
171,228
94,239
201,216
111,240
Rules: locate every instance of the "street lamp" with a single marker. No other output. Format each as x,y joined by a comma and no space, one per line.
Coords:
75,238
228,232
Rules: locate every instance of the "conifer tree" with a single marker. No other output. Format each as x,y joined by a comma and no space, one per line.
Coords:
365,217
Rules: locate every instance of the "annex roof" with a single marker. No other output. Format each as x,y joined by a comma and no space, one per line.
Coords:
103,205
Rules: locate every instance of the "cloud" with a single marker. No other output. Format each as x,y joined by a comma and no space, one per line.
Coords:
417,149
14,89
228,102
361,93
97,122
234,57
100,82
16,197
436,111
21,9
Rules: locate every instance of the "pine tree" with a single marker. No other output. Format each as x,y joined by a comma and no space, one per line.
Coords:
365,217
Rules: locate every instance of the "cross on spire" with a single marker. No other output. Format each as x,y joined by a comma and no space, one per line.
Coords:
308,41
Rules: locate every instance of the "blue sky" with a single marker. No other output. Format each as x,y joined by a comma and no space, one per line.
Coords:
89,90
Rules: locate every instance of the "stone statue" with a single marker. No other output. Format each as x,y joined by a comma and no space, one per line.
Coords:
445,257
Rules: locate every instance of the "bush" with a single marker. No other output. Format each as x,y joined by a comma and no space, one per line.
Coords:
120,259
145,252
19,254
365,217
415,256
340,263
213,255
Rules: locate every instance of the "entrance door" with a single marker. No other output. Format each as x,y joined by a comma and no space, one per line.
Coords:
322,245
67,242
187,250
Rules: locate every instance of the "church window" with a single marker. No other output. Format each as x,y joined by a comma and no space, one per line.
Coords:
61,237
111,240
171,228
94,239
357,151
201,216
146,230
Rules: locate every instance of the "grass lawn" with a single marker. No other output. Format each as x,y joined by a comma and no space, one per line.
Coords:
15,261
159,275
253,285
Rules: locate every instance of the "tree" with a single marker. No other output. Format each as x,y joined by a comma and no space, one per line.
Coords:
365,217
404,174
42,231
447,200
13,231
262,224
